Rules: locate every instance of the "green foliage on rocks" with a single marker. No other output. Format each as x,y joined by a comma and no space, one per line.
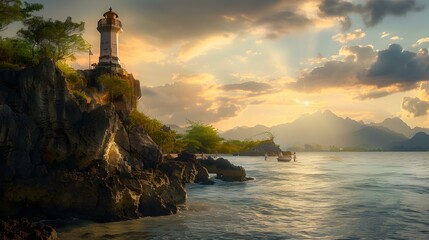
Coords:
116,85
15,53
165,138
236,146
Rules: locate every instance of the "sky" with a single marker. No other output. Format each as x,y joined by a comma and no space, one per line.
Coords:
248,62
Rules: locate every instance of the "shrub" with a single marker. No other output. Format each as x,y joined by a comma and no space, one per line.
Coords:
160,134
115,85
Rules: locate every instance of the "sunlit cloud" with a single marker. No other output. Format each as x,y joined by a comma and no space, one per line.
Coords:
200,47
421,41
384,34
396,38
348,37
418,105
134,50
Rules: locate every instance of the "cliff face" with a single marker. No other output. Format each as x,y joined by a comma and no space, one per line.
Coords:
58,160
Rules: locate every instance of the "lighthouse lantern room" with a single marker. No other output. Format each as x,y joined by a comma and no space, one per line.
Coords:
109,28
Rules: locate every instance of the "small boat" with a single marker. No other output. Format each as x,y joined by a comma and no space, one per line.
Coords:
284,158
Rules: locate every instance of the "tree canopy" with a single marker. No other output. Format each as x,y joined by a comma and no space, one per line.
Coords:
15,10
56,40
201,138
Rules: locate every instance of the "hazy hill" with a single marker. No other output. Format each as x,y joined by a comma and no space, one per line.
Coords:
178,129
373,138
399,126
323,128
326,129
420,142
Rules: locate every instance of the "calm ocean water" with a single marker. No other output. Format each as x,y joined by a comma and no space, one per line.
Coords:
321,196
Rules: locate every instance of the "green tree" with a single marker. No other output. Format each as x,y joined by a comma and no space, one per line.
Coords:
56,40
15,10
201,138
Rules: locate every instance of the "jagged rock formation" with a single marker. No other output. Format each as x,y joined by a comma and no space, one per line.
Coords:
59,158
265,147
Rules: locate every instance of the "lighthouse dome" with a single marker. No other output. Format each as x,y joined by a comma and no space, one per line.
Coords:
110,14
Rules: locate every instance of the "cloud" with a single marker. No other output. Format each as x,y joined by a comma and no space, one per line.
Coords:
395,66
250,86
347,37
199,97
377,73
384,34
337,73
419,105
178,21
372,11
396,38
281,23
421,41
415,106
199,47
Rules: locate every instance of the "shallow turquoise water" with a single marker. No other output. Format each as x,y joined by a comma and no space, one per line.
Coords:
321,196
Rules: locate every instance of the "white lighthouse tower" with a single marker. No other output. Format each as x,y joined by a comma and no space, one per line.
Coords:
109,28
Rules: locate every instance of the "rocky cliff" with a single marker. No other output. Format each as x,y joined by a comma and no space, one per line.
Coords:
59,158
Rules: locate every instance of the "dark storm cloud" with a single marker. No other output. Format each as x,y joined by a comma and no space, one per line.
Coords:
337,73
392,68
396,66
251,86
372,11
415,106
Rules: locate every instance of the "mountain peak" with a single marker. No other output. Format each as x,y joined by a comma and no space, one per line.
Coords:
395,121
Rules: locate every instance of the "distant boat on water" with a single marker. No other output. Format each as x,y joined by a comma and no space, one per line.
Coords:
284,158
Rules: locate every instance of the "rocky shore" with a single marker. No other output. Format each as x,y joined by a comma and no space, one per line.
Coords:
61,157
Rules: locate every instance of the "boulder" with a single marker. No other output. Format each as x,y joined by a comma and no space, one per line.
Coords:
21,229
224,170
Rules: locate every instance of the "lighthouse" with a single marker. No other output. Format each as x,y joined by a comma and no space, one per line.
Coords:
109,28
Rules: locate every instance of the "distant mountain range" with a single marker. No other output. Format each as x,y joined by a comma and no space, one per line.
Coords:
326,131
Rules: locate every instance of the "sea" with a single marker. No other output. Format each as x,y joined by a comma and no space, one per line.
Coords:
375,195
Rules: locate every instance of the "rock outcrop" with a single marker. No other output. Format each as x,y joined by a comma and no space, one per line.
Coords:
225,170
61,159
22,229
265,147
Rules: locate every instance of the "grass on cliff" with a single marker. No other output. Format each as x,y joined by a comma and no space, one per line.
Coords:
75,83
